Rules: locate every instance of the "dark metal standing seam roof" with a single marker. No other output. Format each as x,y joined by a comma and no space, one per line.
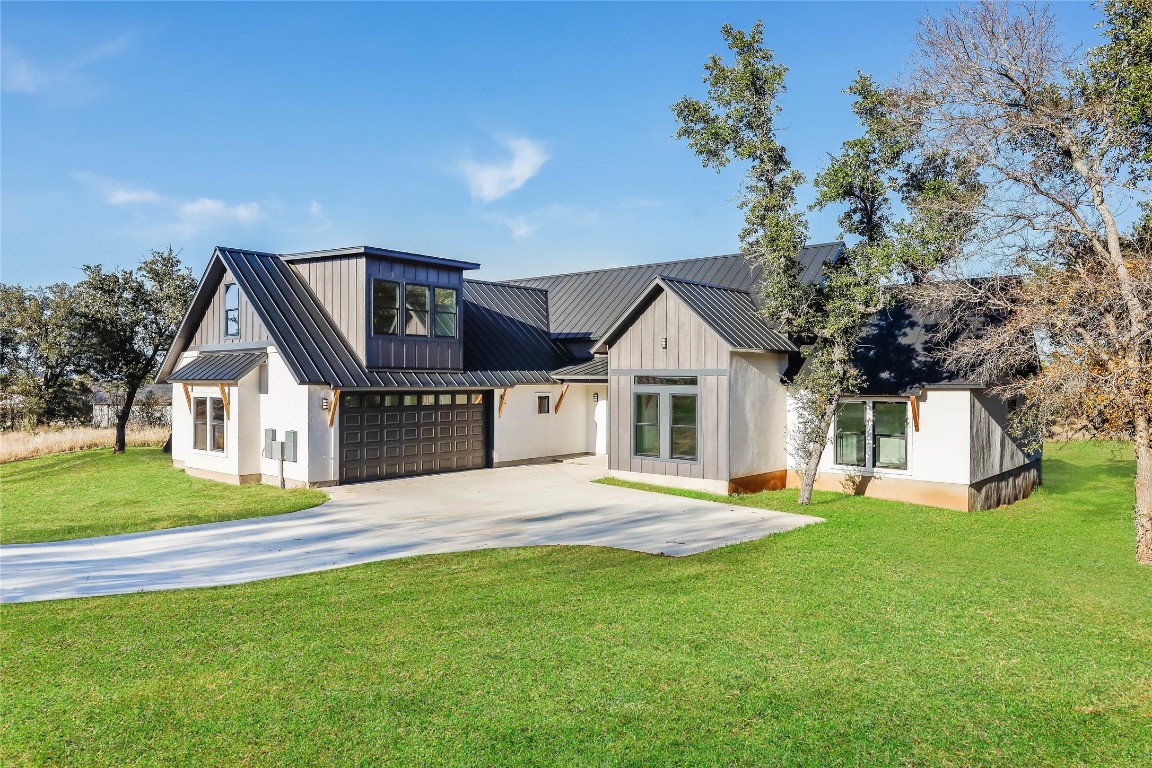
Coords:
317,353
595,369
731,314
506,329
586,304
220,367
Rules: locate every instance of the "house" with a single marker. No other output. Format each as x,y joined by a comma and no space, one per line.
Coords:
366,363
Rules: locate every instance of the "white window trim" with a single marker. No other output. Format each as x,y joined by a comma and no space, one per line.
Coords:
868,470
664,393
227,441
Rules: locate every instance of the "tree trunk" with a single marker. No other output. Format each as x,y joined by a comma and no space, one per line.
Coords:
122,417
1143,510
817,451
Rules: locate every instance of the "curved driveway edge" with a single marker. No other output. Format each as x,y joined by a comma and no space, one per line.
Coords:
507,507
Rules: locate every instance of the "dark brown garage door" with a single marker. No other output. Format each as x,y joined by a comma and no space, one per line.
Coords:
391,435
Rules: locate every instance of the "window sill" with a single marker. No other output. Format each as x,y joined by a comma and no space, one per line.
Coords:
869,472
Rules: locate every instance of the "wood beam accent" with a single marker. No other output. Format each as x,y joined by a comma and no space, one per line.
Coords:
560,400
224,397
332,408
503,399
915,412
188,396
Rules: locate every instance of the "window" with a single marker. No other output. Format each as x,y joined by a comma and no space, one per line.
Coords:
416,314
646,424
385,308
543,404
231,310
208,424
446,312
665,381
872,434
890,435
851,434
683,426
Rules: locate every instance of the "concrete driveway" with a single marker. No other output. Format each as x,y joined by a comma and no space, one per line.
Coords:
507,507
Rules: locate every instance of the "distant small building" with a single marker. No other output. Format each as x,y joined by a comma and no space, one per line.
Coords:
151,408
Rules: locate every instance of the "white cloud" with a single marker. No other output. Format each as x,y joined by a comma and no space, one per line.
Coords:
523,226
184,217
492,180
67,80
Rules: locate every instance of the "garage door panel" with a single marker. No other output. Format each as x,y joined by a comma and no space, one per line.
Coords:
391,435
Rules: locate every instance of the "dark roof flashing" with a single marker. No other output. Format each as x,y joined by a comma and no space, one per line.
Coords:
387,253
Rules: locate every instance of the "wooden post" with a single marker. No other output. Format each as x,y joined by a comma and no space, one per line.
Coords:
224,397
188,396
332,410
560,400
503,399
915,413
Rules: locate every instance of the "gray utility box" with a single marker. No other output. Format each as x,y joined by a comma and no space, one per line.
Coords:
280,449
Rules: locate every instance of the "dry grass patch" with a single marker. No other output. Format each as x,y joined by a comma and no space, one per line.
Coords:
15,446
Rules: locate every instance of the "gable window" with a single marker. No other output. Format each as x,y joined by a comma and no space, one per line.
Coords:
446,312
208,424
543,404
385,308
231,310
871,434
416,310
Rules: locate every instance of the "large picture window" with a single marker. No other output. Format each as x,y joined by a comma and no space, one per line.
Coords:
871,434
385,308
416,310
231,310
445,312
646,417
208,424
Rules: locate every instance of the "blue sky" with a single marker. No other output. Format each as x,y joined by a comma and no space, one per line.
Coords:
532,138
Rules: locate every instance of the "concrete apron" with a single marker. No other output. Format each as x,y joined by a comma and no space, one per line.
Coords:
508,507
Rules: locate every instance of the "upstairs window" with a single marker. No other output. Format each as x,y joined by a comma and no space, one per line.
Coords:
416,310
231,310
385,308
446,312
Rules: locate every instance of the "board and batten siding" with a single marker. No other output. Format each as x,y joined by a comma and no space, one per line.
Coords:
338,284
211,328
692,346
343,285
421,353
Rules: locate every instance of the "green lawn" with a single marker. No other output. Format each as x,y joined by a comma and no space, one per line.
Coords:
890,635
97,493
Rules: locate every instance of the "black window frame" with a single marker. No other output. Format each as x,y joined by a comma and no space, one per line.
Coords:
231,313
397,309
411,314
543,404
437,313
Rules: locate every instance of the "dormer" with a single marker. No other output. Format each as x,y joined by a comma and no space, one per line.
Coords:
397,310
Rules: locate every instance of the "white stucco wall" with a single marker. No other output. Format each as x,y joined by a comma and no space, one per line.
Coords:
521,434
758,409
229,461
938,452
266,398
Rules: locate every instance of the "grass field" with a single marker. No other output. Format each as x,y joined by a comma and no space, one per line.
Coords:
890,635
97,493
